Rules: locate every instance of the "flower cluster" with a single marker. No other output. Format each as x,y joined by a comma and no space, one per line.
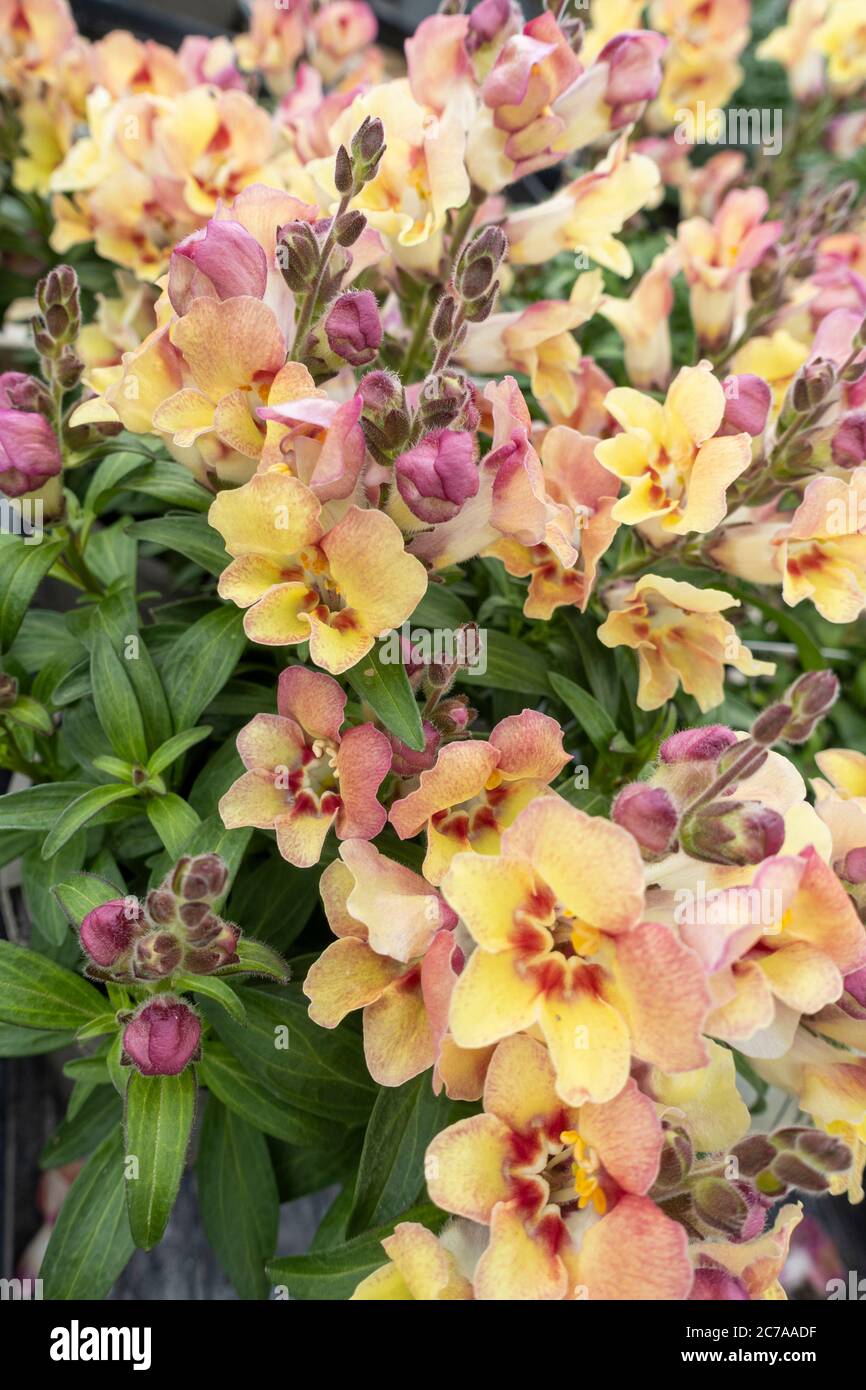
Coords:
475,345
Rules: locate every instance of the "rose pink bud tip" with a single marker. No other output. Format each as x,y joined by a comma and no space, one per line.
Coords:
702,745
162,1036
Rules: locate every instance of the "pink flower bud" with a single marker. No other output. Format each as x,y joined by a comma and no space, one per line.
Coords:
811,697
714,1284
220,950
408,762
438,475
353,327
649,815
848,446
635,73
219,262
853,869
18,391
162,1036
29,452
492,19
109,930
705,744
747,404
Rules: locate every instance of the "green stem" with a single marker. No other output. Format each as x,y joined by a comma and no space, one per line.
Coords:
428,302
311,300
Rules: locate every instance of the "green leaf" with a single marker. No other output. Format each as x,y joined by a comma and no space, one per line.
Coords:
115,700
592,717
78,1135
16,1041
36,993
257,959
90,1243
108,478
83,892
511,665
391,1174
323,1072
174,821
171,483
158,1122
38,877
274,900
22,568
385,687
250,1098
440,607
174,747
200,663
212,988
190,536
335,1274
82,810
37,808
238,1198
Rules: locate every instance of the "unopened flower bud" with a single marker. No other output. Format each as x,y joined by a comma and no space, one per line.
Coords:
747,405
705,744
200,879
297,255
353,327
408,762
438,474
161,906
449,398
349,227
812,385
477,310
676,1158
649,815
156,955
220,950
108,931
770,724
811,697
732,832
442,322
162,1036
368,146
343,178
384,411
29,452
19,391
722,1206
853,867
58,300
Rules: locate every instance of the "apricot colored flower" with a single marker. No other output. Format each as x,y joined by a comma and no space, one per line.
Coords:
303,775
840,800
776,358
338,589
840,40
718,258
680,638
776,950
823,552
275,41
476,788
588,214
583,492
386,919
419,1268
793,45
556,917
676,465
527,1160
643,322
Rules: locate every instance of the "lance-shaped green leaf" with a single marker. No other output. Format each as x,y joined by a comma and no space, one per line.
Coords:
81,811
200,662
115,700
80,1133
81,893
174,747
158,1122
335,1273
174,821
242,1092
22,569
255,958
592,717
37,993
190,536
238,1198
214,989
91,1242
385,687
37,808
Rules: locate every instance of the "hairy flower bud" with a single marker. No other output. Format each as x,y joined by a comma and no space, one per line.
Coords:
161,905
438,474
349,227
29,452
19,391
747,405
812,385
58,300
162,1036
156,955
297,255
343,178
200,879
811,697
368,146
108,931
732,832
353,327
449,398
648,813
848,445
220,950
703,744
